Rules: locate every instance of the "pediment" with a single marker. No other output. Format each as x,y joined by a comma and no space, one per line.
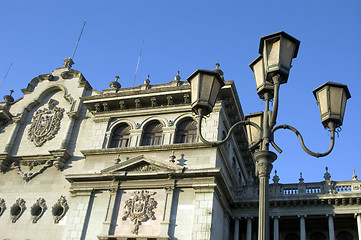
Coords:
143,164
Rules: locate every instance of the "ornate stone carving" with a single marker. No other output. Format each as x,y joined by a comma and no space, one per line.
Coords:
138,104
106,107
17,209
122,105
38,209
139,208
186,98
27,176
45,124
153,102
59,209
145,168
2,206
169,100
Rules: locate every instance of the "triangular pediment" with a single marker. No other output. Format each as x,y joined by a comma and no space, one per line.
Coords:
143,164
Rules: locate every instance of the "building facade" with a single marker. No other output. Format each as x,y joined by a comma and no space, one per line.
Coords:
126,163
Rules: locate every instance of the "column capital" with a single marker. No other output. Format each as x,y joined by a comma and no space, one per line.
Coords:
357,214
274,217
300,216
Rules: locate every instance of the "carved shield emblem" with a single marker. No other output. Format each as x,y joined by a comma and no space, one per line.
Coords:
139,208
45,124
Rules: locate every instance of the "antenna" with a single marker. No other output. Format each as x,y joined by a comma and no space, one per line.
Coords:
5,75
136,70
76,46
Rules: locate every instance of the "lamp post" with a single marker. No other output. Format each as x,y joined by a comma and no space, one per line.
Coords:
271,69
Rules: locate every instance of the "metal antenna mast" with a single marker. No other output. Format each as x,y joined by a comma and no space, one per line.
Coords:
136,70
76,46
5,75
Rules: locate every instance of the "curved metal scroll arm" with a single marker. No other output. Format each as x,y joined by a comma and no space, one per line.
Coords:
317,155
218,143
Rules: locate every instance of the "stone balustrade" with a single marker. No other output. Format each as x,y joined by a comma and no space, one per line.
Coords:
278,191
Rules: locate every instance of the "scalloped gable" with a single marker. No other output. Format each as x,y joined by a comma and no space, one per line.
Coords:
143,163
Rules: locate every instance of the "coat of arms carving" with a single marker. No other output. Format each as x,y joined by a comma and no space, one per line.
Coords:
139,208
45,124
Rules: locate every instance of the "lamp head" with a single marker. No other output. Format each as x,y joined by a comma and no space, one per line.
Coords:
205,87
331,99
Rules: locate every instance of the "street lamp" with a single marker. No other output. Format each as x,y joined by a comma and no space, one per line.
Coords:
271,69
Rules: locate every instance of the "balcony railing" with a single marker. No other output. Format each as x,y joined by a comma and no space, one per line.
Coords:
306,189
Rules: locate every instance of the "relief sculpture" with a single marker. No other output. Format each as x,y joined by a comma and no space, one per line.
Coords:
139,208
45,124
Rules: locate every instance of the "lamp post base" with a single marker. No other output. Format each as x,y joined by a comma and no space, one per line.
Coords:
264,160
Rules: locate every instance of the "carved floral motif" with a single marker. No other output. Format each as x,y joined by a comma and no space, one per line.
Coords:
45,124
27,176
59,209
139,208
17,209
38,209
2,206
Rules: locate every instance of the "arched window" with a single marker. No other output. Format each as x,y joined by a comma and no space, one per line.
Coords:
186,132
120,136
153,134
344,236
318,236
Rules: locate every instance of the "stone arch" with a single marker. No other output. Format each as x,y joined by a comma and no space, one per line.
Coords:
48,90
162,120
181,118
117,122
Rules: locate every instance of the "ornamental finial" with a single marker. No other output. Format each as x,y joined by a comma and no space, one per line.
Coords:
354,176
276,178
327,176
301,178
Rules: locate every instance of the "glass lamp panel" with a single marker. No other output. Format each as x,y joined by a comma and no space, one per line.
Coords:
195,86
336,100
273,54
216,86
252,132
205,87
287,52
343,104
323,101
258,70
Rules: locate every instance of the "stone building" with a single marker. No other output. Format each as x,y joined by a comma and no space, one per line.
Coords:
126,163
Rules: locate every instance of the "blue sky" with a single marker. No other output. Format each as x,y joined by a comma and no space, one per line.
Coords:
186,35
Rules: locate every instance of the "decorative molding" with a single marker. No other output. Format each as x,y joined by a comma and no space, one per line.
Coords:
27,176
45,124
139,208
59,209
5,162
38,209
145,168
17,209
2,206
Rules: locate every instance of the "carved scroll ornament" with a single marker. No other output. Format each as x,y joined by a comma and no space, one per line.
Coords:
139,208
45,124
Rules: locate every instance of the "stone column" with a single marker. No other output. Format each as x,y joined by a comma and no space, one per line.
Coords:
168,135
264,160
236,228
276,233
110,211
331,228
135,137
358,218
169,190
69,130
249,228
302,227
